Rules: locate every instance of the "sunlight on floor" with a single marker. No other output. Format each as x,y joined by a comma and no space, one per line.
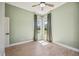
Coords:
43,42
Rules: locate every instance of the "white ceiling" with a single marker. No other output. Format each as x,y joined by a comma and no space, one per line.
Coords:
37,9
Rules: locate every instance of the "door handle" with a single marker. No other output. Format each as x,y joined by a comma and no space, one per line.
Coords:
7,33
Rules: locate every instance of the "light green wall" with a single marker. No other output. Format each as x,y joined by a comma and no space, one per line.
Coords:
65,24
21,23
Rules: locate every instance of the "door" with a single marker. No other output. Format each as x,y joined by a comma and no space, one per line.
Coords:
7,31
42,28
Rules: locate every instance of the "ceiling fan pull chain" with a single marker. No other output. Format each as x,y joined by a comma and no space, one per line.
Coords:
42,8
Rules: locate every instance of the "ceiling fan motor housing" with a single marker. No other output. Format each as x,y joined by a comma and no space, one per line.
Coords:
42,2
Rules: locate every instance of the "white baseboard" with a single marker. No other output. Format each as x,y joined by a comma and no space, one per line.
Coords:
66,46
19,43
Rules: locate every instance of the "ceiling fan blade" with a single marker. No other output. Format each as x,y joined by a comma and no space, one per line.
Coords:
35,5
49,5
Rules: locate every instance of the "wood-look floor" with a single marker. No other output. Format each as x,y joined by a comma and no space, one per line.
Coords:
37,49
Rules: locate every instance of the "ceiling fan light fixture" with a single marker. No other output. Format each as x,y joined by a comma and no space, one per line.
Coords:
42,5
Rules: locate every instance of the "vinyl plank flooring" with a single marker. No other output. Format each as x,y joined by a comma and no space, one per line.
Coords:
39,49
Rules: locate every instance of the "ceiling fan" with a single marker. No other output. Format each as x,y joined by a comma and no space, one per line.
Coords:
43,4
